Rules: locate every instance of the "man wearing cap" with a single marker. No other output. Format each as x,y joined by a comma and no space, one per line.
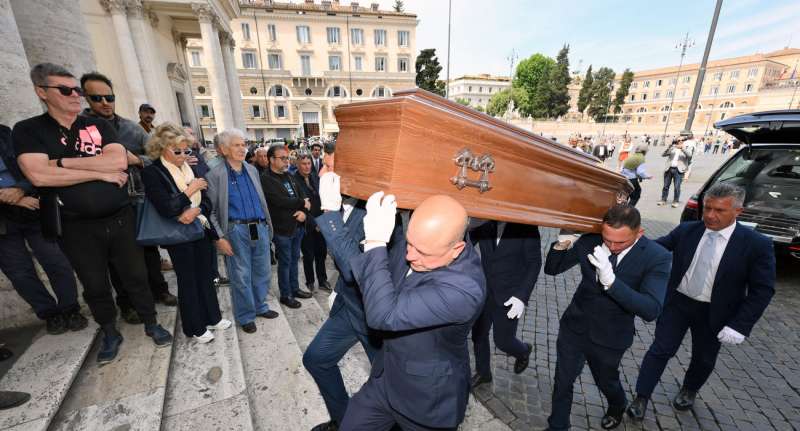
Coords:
146,115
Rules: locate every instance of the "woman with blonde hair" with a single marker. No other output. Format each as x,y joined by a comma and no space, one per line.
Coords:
177,193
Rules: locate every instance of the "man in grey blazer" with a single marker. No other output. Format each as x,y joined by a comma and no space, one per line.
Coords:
241,219
678,156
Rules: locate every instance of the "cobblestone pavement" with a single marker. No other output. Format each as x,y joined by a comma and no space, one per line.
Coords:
755,386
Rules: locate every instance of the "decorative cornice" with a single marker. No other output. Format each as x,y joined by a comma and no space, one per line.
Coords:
205,13
115,6
152,16
136,9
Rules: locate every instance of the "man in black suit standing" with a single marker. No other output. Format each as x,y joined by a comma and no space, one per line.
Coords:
511,256
624,275
313,244
316,157
723,278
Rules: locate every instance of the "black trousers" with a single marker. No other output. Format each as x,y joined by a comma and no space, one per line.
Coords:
637,192
680,314
197,298
91,246
16,263
573,350
155,279
505,335
314,253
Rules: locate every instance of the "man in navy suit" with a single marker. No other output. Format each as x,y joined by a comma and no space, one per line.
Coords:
346,324
723,278
425,295
512,257
624,275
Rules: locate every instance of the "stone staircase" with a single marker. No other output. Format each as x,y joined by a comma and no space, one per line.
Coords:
239,381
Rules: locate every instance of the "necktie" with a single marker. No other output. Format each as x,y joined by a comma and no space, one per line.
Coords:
613,260
702,268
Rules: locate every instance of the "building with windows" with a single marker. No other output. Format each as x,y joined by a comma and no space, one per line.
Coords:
295,62
731,87
477,89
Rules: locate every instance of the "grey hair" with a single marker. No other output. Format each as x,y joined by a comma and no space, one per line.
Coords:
42,71
223,138
725,190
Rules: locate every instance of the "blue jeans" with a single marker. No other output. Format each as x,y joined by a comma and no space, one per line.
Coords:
288,250
672,175
249,272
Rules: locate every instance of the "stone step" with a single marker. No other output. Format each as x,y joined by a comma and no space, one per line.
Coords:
127,393
282,394
206,388
46,370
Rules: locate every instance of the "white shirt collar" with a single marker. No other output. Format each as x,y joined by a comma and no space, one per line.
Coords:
726,233
622,253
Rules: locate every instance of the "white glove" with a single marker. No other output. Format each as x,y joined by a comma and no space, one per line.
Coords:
330,195
605,272
331,299
730,336
379,221
517,307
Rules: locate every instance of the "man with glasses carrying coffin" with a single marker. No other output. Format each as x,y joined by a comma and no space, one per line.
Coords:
79,167
99,93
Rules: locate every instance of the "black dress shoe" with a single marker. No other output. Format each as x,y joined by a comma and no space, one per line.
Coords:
522,363
310,287
327,426
56,325
129,315
478,380
290,302
10,399
249,327
302,294
612,419
76,321
684,400
5,353
269,314
167,299
638,408
324,285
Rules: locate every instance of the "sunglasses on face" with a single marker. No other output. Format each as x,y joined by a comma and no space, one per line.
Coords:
64,90
97,98
185,152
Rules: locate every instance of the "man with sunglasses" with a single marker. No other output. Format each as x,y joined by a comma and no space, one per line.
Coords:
79,167
99,93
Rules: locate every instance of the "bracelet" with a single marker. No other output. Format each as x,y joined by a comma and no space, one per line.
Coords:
59,164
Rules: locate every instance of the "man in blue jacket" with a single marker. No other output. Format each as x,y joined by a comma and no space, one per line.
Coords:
623,275
343,229
723,278
425,295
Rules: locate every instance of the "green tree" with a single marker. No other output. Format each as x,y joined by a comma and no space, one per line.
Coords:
462,101
480,108
399,6
601,93
585,95
558,104
533,77
498,103
428,68
622,91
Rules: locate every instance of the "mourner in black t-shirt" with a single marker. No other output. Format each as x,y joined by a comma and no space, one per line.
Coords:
80,167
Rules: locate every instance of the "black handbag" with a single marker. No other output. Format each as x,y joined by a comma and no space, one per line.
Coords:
154,229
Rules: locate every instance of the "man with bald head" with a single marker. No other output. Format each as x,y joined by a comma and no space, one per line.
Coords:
424,294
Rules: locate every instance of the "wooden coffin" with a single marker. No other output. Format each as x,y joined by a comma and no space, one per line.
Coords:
410,144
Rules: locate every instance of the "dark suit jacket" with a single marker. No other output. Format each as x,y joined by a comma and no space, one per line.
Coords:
639,290
511,267
312,193
281,205
427,317
745,280
163,197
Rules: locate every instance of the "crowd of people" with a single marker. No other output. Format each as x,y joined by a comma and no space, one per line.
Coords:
94,194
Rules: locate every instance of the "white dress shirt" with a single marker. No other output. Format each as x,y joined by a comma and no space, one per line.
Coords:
501,226
722,243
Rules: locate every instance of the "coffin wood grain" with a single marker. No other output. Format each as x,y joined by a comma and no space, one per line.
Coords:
405,145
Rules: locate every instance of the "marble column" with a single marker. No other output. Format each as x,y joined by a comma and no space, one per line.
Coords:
189,103
148,65
54,31
17,93
234,88
130,62
215,66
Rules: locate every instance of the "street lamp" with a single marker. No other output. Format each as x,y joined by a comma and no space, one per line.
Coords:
682,45
701,73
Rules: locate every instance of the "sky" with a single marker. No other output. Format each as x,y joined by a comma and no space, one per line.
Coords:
639,34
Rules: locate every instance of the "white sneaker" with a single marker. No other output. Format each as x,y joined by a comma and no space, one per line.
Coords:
205,338
222,324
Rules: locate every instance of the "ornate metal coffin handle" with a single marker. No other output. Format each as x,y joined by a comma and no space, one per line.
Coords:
464,159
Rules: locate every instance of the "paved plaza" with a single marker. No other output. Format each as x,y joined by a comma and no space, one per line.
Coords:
755,386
